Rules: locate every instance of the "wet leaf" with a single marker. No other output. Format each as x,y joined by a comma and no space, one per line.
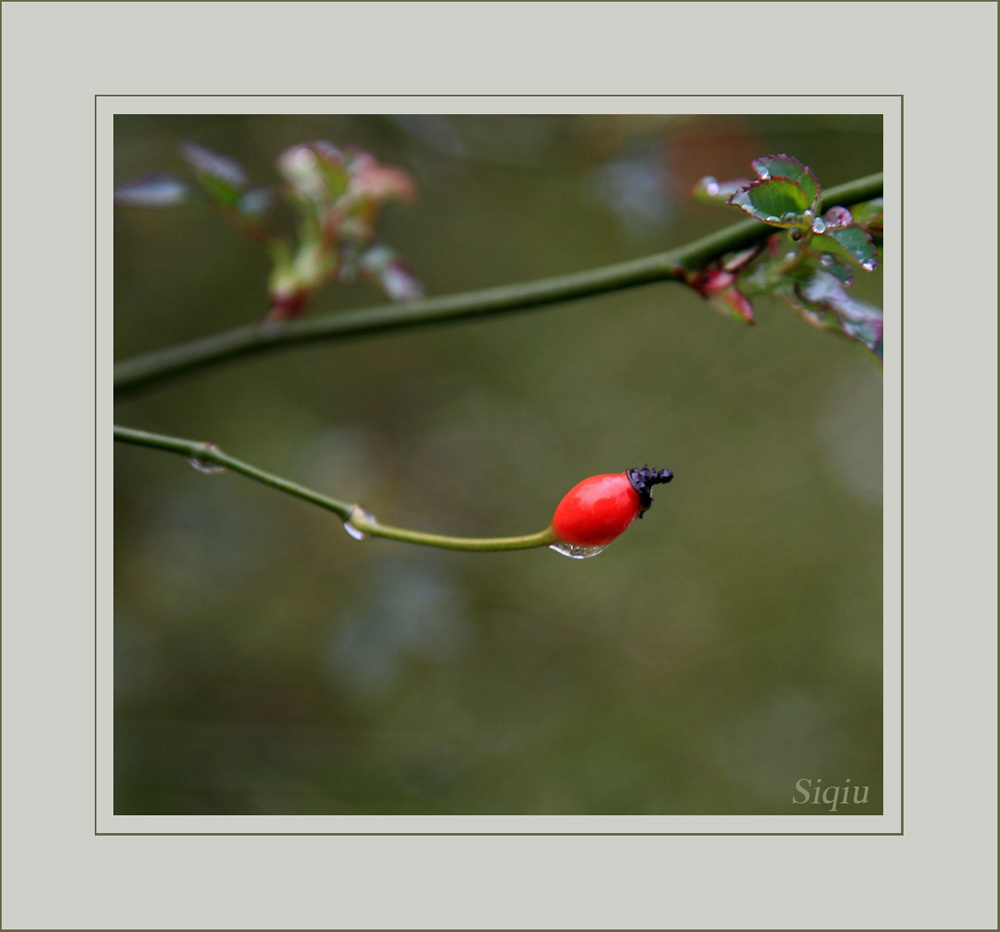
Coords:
710,190
159,190
852,242
779,202
838,269
859,321
787,166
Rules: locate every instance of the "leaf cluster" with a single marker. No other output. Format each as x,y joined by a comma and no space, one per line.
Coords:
809,262
336,196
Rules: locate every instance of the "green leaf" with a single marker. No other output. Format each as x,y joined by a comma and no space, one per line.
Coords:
779,202
219,190
786,166
838,269
222,178
852,242
869,216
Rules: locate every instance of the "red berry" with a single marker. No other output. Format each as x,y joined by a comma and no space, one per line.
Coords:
594,512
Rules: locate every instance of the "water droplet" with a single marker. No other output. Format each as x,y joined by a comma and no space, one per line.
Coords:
576,551
837,217
789,217
351,529
790,255
206,466
819,225
764,174
772,219
868,265
795,235
826,260
711,185
807,214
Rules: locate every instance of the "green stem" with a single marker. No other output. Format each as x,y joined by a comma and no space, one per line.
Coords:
141,371
202,454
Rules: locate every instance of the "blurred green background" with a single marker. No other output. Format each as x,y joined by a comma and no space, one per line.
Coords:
726,647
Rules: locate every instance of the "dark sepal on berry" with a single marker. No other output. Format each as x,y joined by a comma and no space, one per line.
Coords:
643,480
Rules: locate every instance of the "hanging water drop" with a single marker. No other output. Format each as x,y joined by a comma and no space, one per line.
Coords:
354,532
868,265
819,225
576,551
357,533
795,235
206,466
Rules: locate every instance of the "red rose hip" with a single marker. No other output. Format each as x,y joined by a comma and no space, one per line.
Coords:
594,512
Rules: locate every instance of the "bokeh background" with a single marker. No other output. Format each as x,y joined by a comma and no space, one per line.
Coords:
726,647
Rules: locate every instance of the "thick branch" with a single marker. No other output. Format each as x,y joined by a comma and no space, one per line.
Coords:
205,456
141,371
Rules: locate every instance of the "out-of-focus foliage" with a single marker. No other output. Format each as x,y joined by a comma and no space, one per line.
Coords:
336,197
727,647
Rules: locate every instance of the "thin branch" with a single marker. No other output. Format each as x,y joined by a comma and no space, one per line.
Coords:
141,371
208,458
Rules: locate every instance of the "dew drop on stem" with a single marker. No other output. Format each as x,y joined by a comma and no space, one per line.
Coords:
356,533
204,465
